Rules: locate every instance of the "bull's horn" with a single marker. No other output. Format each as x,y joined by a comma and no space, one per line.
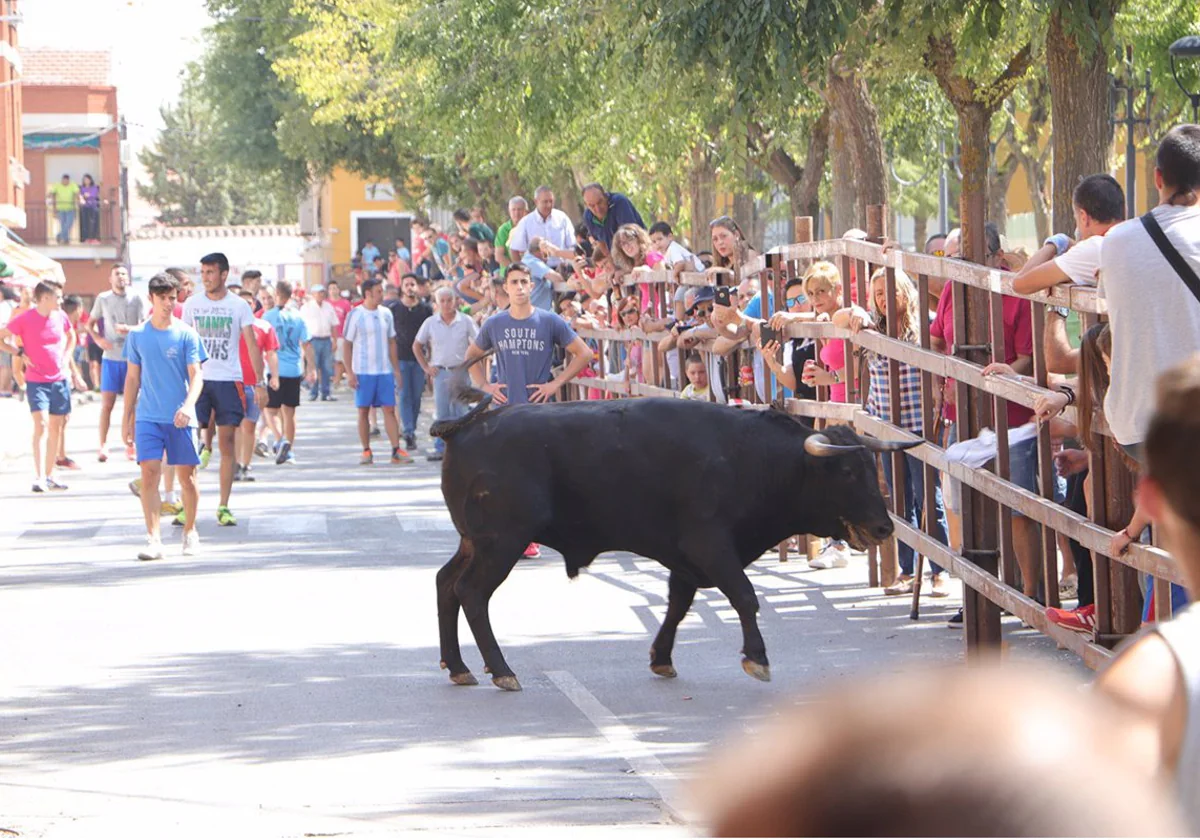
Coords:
819,446
877,445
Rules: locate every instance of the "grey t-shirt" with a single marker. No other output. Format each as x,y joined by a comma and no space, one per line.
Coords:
113,309
524,349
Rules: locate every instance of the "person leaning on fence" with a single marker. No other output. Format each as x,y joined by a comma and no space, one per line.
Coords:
697,376
731,250
788,365
1158,673
879,404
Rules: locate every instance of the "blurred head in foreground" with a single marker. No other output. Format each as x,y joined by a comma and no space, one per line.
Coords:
963,752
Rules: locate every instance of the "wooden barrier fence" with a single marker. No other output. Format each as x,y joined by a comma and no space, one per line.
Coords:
986,561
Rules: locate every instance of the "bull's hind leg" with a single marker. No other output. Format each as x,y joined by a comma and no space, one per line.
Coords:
680,593
488,569
448,605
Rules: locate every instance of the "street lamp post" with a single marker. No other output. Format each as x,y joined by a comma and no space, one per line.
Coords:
1186,47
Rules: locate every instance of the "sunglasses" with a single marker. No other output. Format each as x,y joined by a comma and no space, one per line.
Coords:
703,310
792,301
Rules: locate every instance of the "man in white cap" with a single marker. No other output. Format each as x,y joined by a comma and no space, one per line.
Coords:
322,320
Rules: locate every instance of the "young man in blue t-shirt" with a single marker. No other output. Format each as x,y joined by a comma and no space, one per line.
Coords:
292,332
163,384
524,338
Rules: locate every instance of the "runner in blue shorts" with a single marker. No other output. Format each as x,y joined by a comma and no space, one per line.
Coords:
161,388
373,368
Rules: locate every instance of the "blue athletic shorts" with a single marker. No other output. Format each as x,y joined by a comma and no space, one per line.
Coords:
223,399
54,397
1023,471
112,376
154,439
253,412
375,390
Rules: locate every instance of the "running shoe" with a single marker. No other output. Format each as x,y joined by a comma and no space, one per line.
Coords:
55,484
153,549
180,518
130,453
225,517
169,509
435,456
533,552
205,456
39,485
135,487
834,555
261,449
102,456
66,464
191,543
1082,620
399,456
956,620
246,473
284,451
367,458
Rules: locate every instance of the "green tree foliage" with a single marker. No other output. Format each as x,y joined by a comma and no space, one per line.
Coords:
193,181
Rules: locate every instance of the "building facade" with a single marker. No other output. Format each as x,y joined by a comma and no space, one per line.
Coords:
71,127
13,175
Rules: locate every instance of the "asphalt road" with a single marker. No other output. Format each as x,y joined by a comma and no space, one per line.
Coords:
285,683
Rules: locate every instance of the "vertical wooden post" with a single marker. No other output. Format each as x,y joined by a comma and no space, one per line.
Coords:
803,228
877,232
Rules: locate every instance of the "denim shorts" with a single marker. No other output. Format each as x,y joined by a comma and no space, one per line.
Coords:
1023,471
51,397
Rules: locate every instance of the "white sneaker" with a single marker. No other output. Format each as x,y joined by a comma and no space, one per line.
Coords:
153,549
191,543
833,556
39,485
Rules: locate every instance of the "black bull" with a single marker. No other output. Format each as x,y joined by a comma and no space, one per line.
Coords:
703,489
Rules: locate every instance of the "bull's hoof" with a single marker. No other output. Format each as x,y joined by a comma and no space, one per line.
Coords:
506,683
754,669
664,670
465,678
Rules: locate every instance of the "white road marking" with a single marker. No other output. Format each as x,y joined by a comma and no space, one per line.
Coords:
640,757
290,525
424,523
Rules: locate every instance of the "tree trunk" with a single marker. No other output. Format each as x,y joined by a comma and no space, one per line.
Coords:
801,183
702,195
859,122
999,178
920,230
845,187
973,123
1078,75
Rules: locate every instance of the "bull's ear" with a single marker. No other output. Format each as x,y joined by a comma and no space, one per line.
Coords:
819,446
877,445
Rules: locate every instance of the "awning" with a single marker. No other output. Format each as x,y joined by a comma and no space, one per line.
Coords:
28,267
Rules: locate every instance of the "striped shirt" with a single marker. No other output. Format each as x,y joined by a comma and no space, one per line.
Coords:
879,399
371,331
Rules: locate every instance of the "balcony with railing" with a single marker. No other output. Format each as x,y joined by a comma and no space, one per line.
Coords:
87,233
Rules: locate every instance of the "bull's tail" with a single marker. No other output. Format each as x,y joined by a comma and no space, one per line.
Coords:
448,428
461,392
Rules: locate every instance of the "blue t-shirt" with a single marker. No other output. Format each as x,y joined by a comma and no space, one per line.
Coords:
292,332
754,307
541,293
369,253
164,356
620,212
404,254
524,349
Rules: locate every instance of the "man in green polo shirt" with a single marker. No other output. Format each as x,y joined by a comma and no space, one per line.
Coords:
65,197
517,208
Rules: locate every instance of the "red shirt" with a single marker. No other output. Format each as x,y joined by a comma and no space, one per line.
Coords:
343,309
266,339
1018,341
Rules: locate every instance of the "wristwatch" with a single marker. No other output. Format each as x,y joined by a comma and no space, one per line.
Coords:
1060,311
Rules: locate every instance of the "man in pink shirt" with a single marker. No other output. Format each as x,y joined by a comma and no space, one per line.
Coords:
47,344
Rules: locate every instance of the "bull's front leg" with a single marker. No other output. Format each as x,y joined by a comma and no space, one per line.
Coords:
448,606
732,581
680,592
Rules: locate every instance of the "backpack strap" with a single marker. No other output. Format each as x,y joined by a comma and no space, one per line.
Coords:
1185,272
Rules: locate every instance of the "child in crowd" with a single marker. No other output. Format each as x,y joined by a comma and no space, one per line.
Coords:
697,374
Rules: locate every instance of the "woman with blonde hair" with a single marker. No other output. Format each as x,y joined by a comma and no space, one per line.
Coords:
879,405
632,253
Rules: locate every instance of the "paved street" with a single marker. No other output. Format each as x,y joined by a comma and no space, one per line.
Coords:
286,682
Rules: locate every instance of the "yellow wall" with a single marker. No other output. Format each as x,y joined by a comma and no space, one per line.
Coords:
346,192
1018,188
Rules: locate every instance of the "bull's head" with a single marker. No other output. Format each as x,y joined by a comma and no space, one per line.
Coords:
847,482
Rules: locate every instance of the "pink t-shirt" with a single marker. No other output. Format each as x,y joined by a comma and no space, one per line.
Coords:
649,296
343,308
833,356
1018,341
44,340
